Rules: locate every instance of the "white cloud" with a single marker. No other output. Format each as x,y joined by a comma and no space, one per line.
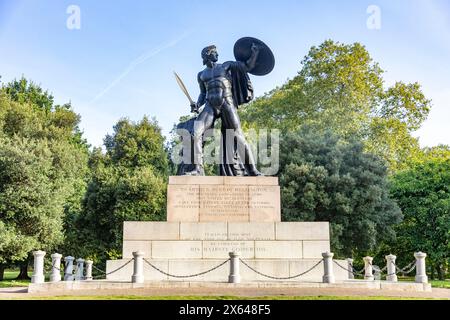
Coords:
435,130
141,59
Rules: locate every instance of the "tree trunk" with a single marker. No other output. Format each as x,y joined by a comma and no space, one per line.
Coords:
23,275
2,271
441,273
432,271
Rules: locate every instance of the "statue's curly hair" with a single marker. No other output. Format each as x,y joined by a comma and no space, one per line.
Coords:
205,53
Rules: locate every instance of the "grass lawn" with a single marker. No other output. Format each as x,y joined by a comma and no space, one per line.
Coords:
443,284
9,282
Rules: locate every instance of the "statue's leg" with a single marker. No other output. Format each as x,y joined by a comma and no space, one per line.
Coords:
231,120
203,122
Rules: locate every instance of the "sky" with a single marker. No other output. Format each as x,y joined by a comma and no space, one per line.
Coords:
116,59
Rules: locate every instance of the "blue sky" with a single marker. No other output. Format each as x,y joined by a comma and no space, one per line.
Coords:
120,62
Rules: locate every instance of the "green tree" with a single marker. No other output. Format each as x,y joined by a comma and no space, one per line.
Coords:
325,180
423,194
340,88
128,183
137,144
43,163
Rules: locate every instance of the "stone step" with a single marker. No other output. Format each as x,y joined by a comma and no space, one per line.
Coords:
275,268
219,249
231,231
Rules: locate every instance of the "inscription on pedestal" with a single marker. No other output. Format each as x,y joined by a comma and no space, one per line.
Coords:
190,198
224,203
221,249
183,203
264,203
203,231
223,199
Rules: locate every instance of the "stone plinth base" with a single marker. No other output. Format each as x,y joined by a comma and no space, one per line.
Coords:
209,217
214,240
65,287
277,249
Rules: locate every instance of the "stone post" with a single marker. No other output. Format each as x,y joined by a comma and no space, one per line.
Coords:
38,270
368,269
421,271
376,272
89,264
328,276
234,276
138,275
68,273
79,274
56,268
391,268
350,269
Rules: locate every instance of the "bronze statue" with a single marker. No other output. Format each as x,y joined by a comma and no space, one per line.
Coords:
223,88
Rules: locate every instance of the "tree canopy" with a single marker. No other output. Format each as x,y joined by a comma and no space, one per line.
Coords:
340,88
128,183
324,180
423,194
43,162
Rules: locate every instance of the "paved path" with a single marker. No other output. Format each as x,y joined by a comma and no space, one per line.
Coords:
20,293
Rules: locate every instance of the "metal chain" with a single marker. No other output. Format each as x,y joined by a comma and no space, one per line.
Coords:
114,271
358,272
188,276
99,270
348,270
402,271
408,266
412,266
51,270
281,278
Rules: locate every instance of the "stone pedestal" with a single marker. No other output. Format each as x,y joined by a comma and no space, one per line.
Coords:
138,267
209,217
79,273
68,272
234,276
391,268
89,264
328,276
368,274
38,270
421,275
56,265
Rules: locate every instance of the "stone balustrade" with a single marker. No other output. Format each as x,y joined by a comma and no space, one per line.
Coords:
234,275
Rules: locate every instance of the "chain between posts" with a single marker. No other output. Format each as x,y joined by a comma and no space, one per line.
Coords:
187,276
412,266
356,273
104,274
47,271
281,278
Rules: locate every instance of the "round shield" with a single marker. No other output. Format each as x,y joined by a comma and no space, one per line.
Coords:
266,60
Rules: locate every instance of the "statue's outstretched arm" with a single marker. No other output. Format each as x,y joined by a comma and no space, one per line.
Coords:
251,62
